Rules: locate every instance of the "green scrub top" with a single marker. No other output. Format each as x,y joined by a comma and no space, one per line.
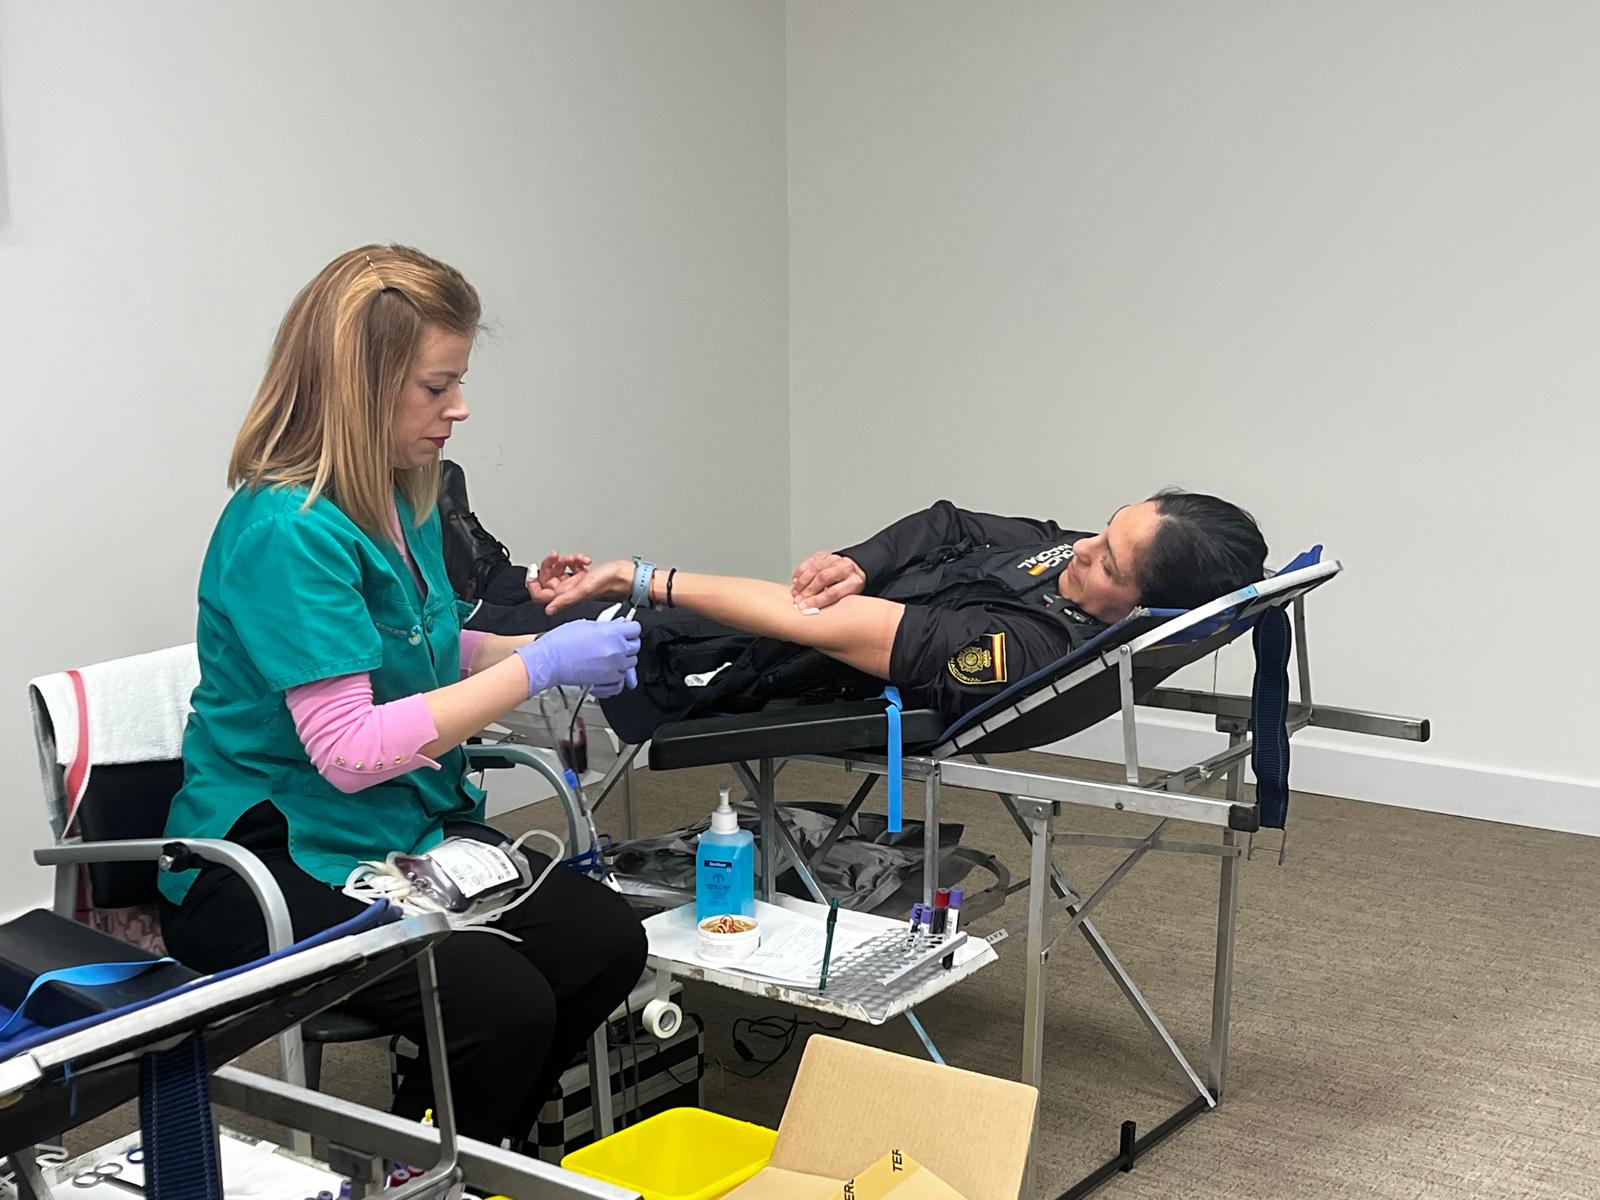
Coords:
291,594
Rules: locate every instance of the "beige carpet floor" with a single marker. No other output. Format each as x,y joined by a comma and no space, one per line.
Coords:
1417,1006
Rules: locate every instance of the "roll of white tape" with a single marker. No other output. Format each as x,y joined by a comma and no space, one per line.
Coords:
662,1018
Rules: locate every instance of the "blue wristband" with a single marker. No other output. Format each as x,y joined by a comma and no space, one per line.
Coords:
639,597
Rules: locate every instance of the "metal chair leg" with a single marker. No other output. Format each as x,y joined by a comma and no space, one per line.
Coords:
605,1119
766,809
1227,931
313,1065
1040,818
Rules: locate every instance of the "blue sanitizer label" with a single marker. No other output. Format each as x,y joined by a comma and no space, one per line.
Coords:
723,876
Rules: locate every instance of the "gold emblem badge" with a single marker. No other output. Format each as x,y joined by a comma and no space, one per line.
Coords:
982,662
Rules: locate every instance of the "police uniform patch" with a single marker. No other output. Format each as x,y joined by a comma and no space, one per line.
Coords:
982,662
1047,560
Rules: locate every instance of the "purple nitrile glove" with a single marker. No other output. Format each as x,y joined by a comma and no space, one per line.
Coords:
598,654
608,690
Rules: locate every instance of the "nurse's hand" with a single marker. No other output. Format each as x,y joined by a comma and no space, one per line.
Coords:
825,578
603,655
608,581
545,578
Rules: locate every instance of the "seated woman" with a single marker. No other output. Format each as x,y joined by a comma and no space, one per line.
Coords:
336,687
947,604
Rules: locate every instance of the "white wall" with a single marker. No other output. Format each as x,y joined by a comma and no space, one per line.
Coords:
1335,261
611,176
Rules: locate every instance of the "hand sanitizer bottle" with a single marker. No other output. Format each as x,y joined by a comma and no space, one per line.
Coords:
725,866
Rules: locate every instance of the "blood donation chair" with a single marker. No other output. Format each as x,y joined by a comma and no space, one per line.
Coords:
1116,674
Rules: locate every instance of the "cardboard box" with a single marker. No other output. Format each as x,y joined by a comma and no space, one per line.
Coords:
897,1176
855,1109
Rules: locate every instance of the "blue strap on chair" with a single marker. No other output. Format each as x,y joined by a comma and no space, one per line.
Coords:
1269,716
1269,706
892,695
176,1123
174,1100
378,913
86,975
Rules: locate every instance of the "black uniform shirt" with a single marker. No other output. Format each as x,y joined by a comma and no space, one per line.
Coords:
982,609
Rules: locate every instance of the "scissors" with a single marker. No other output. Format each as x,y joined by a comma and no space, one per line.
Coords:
108,1172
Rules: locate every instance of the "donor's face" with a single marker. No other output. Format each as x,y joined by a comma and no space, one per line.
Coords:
1102,576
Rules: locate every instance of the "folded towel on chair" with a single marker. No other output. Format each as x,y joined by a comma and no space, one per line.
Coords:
137,706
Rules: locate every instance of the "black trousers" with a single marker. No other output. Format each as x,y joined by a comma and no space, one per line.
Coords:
515,1013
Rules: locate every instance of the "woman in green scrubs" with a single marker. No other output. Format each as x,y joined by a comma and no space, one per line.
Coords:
336,688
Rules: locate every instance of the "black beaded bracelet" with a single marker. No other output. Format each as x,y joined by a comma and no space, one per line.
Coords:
670,575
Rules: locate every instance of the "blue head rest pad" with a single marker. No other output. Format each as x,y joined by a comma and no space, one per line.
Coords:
378,913
1230,618
1228,622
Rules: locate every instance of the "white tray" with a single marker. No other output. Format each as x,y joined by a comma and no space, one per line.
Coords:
674,943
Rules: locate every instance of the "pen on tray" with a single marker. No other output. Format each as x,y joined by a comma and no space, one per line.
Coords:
951,923
827,946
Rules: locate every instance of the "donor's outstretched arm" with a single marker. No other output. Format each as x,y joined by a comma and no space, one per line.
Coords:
858,631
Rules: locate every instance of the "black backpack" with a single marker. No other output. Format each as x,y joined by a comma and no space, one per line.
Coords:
472,556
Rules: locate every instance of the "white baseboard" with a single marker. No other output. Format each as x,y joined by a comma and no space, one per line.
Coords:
1377,775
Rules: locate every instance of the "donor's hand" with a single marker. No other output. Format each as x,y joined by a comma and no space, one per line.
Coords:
551,570
826,578
608,581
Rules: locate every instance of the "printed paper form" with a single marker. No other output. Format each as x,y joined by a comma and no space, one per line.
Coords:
792,952
791,943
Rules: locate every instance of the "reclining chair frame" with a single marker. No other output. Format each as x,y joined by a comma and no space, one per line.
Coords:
1034,801
103,1061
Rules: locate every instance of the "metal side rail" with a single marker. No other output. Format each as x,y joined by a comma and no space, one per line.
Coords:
486,1169
1122,797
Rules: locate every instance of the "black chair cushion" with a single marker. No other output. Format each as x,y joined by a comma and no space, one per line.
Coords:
38,942
781,730
336,1026
1090,702
127,800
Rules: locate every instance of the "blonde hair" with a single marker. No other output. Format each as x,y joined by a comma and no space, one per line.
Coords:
325,412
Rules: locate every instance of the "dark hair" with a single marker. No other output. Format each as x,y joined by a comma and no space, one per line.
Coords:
1203,548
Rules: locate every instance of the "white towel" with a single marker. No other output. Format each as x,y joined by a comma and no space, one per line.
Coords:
137,706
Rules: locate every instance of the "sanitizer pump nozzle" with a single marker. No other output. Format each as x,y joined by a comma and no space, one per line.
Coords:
723,818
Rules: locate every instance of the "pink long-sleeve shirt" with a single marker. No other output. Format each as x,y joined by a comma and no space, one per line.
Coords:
355,743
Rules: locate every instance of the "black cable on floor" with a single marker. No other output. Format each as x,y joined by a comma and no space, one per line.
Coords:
778,1034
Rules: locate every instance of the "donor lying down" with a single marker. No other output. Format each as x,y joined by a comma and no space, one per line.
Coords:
947,604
